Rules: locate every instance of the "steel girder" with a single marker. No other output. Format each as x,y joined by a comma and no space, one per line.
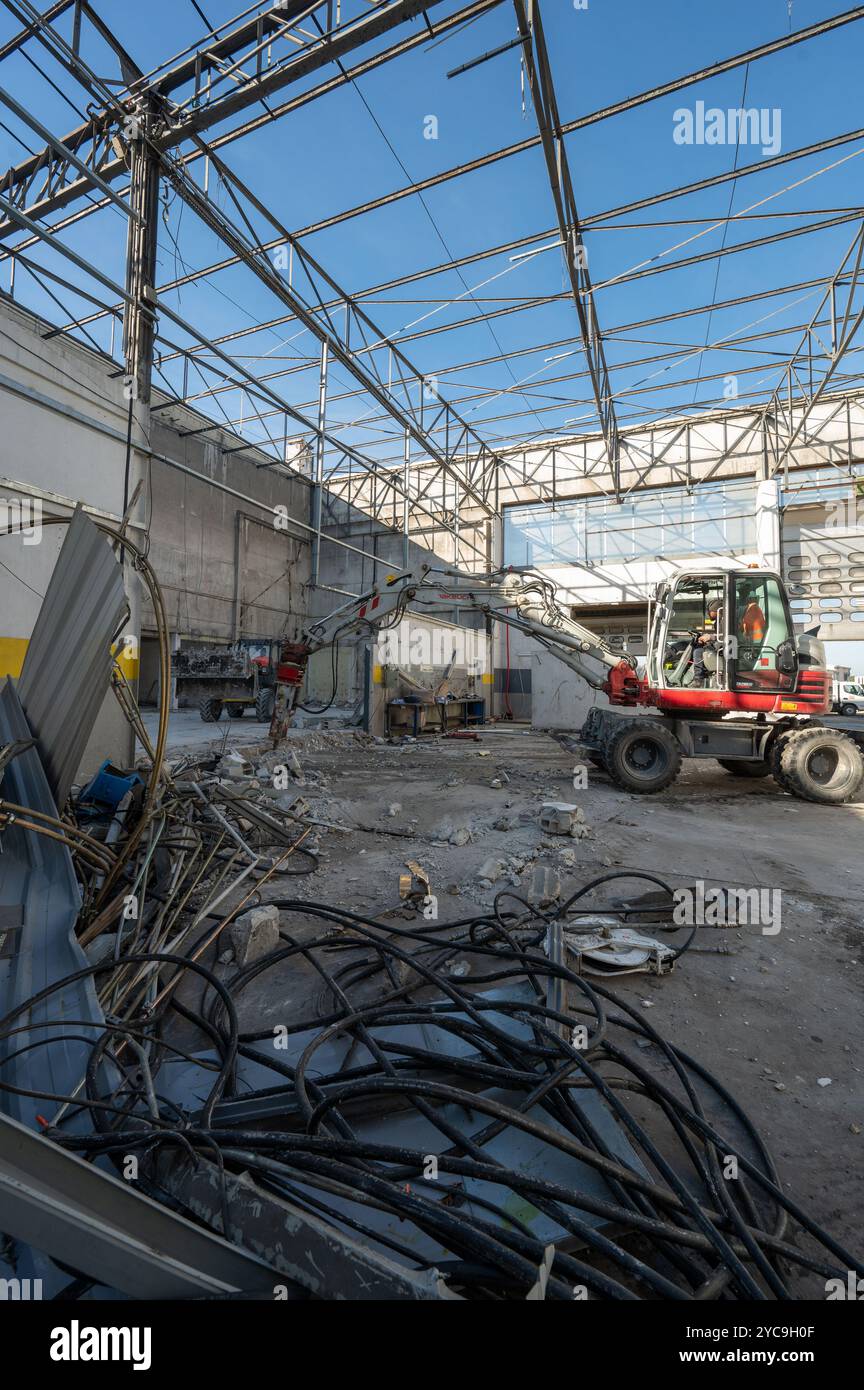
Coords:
386,374
85,133
48,181
91,1221
541,83
814,363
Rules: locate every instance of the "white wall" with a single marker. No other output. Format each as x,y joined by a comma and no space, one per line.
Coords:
559,698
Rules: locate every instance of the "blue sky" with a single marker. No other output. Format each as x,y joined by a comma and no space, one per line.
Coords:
331,155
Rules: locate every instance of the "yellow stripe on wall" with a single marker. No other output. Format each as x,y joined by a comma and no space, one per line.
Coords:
12,651
126,656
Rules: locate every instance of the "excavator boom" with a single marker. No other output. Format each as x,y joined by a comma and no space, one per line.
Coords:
521,598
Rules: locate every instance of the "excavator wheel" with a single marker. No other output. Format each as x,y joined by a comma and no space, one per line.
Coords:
775,753
642,756
210,710
264,703
822,764
745,767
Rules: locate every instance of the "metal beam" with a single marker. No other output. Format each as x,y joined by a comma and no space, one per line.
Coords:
387,375
29,29
91,1221
93,141
784,423
92,131
141,252
542,85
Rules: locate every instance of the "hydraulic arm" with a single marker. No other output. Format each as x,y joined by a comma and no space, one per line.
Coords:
523,599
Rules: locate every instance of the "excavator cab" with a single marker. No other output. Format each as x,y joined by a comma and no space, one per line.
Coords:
723,638
764,654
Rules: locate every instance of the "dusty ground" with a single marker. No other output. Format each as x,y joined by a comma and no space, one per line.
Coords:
772,1019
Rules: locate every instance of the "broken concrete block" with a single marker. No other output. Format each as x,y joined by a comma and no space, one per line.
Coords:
545,886
460,836
234,767
394,808
493,869
559,817
255,933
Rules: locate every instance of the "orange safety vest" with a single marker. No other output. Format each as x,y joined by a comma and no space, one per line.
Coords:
753,622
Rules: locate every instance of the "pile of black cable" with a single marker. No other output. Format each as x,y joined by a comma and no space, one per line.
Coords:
446,1100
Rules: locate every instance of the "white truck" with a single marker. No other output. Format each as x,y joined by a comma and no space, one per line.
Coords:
847,696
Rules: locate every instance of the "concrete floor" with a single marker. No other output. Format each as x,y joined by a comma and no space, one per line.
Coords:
770,1019
186,729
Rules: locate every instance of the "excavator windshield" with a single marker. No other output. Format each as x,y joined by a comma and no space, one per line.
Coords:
763,643
695,634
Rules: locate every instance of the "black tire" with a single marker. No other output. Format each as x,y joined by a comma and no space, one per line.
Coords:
210,710
822,765
642,756
745,767
236,711
849,710
264,703
775,754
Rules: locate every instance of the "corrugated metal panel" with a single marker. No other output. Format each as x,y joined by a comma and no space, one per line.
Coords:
67,668
39,904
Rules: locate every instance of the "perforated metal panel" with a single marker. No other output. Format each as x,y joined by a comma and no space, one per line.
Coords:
627,634
823,565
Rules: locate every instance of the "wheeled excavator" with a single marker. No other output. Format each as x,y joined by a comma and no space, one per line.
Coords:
725,677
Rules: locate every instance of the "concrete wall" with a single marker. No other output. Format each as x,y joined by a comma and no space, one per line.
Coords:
227,570
346,571
229,538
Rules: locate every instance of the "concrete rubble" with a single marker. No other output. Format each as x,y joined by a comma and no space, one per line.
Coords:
254,934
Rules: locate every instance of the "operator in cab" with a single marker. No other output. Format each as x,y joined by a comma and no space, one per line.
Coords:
707,643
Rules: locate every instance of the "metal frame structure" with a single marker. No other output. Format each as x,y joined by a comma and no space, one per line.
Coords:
428,457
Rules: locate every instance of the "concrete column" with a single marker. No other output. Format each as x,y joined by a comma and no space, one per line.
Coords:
768,523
